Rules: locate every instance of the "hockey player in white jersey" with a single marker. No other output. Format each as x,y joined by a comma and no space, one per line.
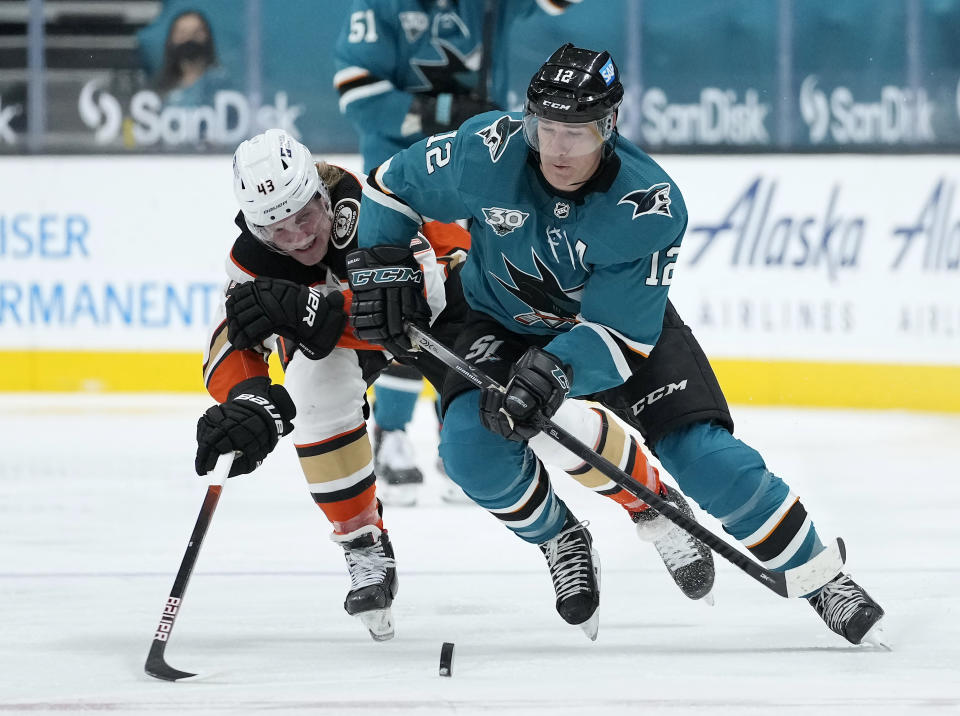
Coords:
287,289
574,237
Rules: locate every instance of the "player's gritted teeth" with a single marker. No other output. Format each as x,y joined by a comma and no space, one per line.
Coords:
305,235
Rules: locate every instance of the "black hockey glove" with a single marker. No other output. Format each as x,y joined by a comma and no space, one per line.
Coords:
253,419
388,291
538,384
256,309
446,112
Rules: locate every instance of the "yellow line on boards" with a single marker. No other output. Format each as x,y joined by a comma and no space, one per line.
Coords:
850,385
812,384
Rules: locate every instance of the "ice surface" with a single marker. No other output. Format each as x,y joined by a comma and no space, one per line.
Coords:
98,497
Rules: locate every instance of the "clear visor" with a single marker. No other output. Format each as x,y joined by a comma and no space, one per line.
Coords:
299,230
566,139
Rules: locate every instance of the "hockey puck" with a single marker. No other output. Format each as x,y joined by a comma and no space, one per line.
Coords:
446,659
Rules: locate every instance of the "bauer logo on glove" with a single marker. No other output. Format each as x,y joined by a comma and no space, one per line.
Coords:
251,422
313,303
269,407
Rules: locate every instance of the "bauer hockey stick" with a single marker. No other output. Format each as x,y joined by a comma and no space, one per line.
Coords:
157,665
794,582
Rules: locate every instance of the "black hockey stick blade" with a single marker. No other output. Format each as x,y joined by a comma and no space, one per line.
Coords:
158,668
156,664
795,582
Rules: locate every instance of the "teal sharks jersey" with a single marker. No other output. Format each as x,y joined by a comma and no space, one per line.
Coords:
592,268
391,49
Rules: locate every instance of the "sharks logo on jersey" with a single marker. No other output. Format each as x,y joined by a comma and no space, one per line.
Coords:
455,73
551,304
655,200
496,136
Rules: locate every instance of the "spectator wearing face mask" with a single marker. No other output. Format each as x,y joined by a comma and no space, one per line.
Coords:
191,73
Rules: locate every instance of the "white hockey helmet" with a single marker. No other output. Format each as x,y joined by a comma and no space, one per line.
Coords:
274,176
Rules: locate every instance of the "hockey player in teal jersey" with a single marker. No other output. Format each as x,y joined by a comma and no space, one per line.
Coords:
575,234
407,69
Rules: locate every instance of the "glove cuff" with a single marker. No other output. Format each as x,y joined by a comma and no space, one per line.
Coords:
545,363
258,385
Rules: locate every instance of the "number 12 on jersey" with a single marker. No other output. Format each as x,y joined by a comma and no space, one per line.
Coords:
666,278
439,156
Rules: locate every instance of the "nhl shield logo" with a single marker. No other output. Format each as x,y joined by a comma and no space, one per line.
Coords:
561,210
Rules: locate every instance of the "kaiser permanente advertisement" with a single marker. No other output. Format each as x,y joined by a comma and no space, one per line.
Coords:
811,280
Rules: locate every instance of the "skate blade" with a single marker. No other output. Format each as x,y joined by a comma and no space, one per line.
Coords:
379,622
875,637
592,626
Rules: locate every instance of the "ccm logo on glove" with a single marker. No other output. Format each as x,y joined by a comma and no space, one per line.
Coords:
390,274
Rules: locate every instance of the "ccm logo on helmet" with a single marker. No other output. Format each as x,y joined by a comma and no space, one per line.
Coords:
555,105
388,274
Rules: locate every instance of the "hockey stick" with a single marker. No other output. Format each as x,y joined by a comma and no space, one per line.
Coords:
794,582
156,665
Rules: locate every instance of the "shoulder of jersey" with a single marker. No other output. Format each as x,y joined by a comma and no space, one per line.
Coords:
644,209
345,203
489,147
493,138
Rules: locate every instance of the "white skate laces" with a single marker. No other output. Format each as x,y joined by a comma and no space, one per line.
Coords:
838,601
687,559
367,565
677,549
849,611
569,559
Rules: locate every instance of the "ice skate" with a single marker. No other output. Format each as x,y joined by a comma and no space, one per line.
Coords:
689,561
849,611
575,569
394,461
373,579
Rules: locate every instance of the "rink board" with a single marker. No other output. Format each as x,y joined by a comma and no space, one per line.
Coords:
810,280
933,388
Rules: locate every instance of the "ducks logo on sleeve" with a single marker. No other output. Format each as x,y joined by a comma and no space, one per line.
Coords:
655,200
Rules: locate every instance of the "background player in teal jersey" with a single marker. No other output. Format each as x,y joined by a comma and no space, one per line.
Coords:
574,237
407,69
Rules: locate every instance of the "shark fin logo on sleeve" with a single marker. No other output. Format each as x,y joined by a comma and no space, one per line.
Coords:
655,200
496,136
